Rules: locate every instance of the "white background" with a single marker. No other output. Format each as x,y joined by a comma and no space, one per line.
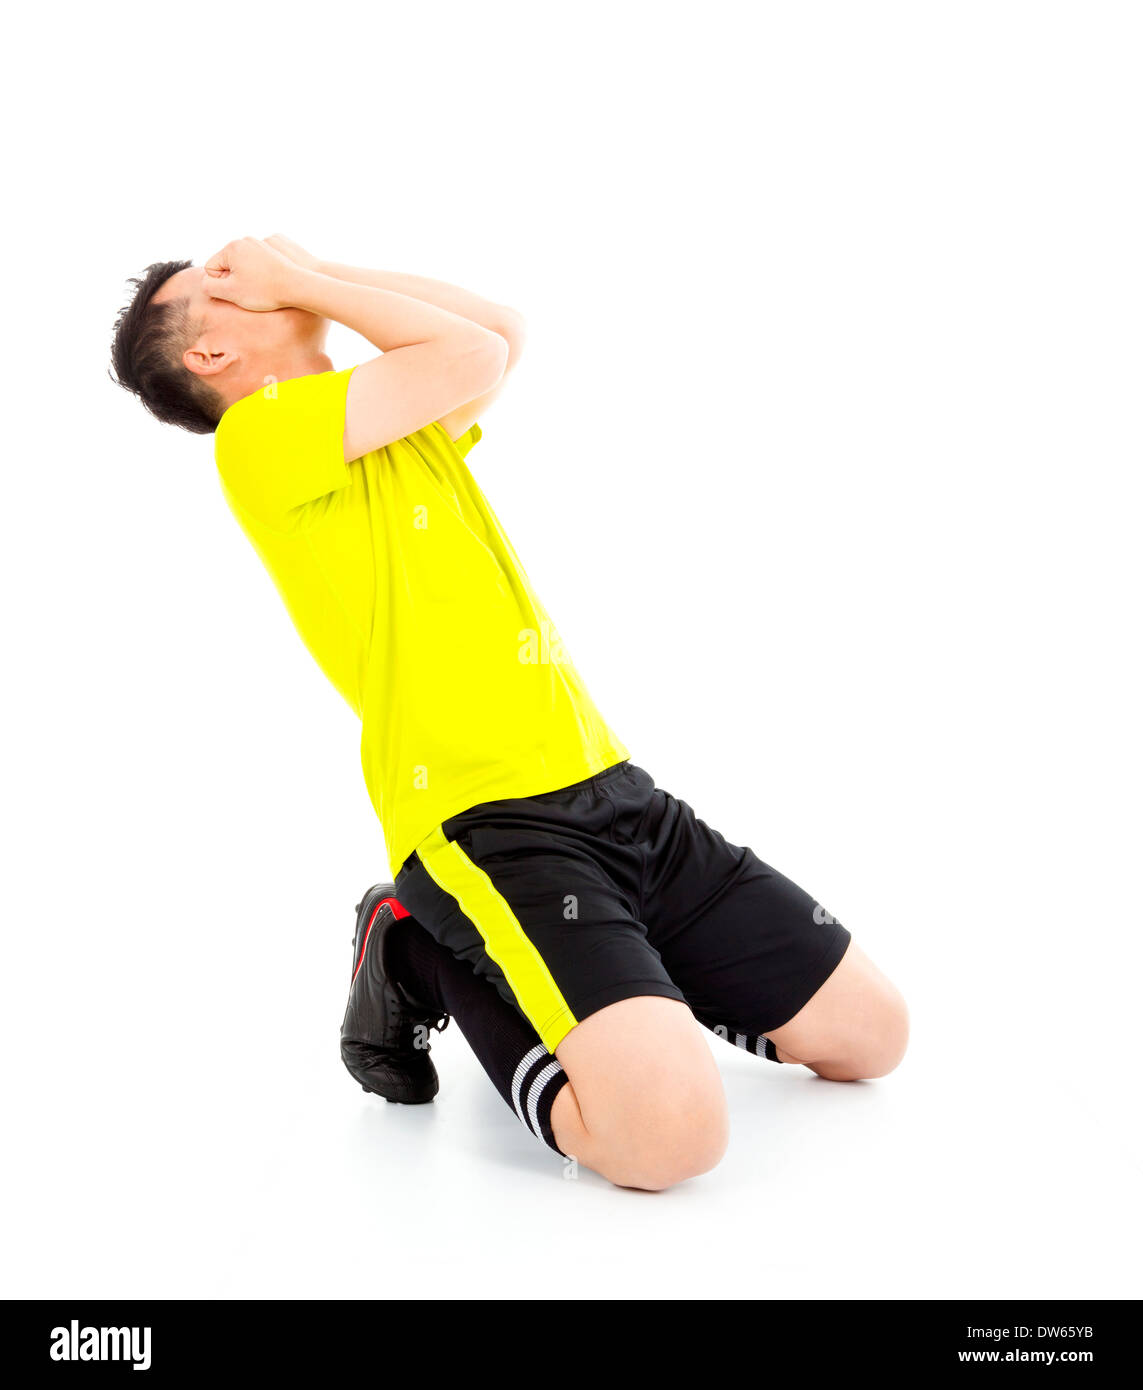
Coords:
823,454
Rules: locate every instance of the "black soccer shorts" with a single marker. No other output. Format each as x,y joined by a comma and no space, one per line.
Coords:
613,888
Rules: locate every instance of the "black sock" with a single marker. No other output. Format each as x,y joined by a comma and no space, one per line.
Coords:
509,1049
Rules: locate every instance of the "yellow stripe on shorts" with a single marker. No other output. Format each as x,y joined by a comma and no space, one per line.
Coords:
504,938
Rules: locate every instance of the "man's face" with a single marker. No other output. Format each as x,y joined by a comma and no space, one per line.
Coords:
235,349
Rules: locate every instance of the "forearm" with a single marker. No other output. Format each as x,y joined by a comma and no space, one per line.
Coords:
486,312
387,317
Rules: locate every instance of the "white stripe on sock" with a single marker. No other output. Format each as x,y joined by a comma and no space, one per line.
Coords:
536,1090
527,1062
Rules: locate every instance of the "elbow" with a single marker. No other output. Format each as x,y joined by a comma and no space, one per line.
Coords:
481,363
496,356
512,327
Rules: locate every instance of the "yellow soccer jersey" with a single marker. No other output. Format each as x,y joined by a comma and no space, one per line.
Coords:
410,597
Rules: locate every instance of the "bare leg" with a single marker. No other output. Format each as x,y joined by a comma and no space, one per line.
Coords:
855,1026
645,1105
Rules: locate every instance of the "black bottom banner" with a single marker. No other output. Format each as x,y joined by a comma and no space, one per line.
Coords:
178,1342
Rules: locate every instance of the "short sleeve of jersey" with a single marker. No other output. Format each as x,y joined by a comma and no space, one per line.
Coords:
283,447
467,440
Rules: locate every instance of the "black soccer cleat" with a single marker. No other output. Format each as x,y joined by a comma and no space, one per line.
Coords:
384,1035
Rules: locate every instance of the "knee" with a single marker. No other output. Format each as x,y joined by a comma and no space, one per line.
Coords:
673,1137
883,1043
650,1104
892,1037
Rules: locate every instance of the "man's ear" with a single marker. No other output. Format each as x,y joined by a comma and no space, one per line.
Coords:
205,360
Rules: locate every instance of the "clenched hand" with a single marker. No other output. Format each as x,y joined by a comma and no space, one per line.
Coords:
251,274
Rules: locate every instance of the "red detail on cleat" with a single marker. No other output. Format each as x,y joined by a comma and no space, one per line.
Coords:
398,912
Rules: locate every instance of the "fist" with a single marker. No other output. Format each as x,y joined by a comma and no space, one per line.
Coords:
293,252
251,274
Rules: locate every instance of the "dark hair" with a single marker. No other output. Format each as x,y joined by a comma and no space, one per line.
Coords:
146,355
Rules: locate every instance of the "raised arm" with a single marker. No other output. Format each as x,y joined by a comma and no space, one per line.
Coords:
508,323
433,361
